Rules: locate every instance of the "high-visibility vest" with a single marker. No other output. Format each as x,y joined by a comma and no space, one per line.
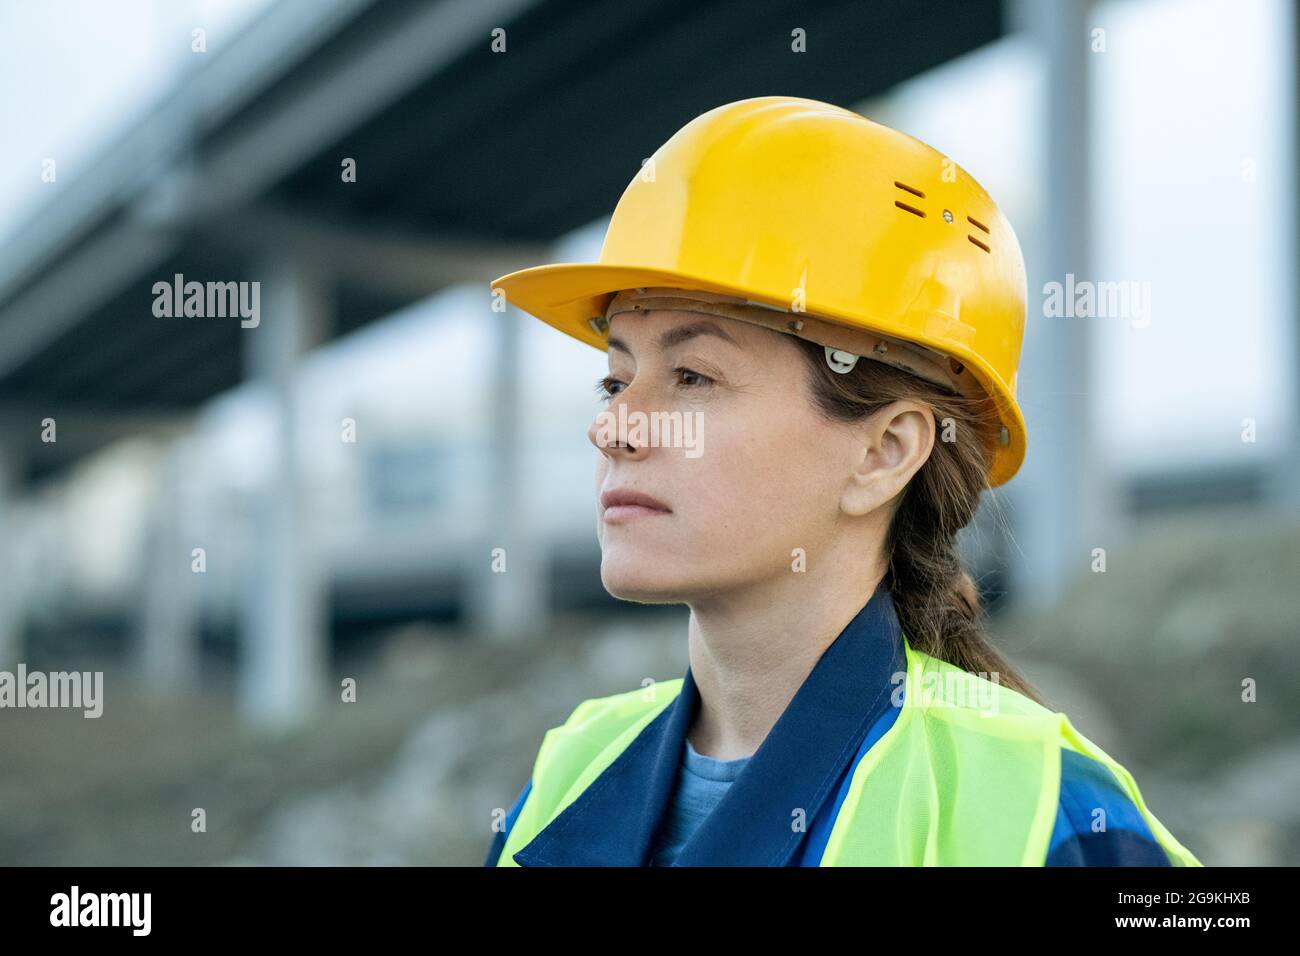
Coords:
968,774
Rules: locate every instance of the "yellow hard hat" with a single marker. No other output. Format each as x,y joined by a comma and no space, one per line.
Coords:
861,235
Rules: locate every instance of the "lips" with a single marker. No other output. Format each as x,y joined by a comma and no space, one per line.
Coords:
626,496
624,504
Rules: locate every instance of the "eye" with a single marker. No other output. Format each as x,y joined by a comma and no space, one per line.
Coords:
605,387
609,386
692,378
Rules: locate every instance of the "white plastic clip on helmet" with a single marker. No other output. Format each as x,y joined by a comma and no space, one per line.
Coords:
840,360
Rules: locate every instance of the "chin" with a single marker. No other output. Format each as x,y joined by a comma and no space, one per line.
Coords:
642,581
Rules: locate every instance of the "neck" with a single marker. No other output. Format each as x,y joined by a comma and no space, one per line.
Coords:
751,649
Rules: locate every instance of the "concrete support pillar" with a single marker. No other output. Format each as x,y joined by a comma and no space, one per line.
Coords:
285,634
1063,503
167,629
11,622
1284,493
509,604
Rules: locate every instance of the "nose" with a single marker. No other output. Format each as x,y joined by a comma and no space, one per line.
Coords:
613,432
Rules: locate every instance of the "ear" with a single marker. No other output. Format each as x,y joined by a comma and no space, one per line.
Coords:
896,442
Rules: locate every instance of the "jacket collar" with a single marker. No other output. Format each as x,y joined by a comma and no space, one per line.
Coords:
797,767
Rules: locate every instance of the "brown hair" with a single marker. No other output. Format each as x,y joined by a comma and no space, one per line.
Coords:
937,601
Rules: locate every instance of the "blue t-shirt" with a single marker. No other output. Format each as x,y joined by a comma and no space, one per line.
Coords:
701,783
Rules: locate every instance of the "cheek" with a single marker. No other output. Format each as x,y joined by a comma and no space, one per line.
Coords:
768,478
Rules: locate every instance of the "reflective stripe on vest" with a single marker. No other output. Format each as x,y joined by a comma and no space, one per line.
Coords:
968,775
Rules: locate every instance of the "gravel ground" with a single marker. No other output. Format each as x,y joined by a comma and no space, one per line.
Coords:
408,774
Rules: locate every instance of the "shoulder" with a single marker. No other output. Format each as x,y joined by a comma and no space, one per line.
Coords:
934,683
1096,823
587,730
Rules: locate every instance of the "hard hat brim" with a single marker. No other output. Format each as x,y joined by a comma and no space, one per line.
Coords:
568,295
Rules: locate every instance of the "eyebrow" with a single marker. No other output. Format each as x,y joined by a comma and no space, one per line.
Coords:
679,334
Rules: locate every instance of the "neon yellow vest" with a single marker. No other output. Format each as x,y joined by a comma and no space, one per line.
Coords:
968,775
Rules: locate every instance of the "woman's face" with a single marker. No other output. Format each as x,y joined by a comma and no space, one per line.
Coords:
756,472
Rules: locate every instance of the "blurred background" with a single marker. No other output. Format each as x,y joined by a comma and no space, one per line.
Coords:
232,522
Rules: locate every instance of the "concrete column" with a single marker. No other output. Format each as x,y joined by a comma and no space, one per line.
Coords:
285,638
1062,502
167,638
1284,493
507,605
11,622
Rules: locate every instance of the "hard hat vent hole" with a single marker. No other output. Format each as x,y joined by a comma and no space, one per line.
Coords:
906,208
911,189
983,228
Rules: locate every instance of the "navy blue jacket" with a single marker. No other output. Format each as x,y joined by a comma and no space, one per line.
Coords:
807,760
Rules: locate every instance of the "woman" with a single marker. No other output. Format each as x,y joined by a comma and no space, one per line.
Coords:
832,313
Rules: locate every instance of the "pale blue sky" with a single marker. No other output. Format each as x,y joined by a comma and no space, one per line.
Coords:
75,72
